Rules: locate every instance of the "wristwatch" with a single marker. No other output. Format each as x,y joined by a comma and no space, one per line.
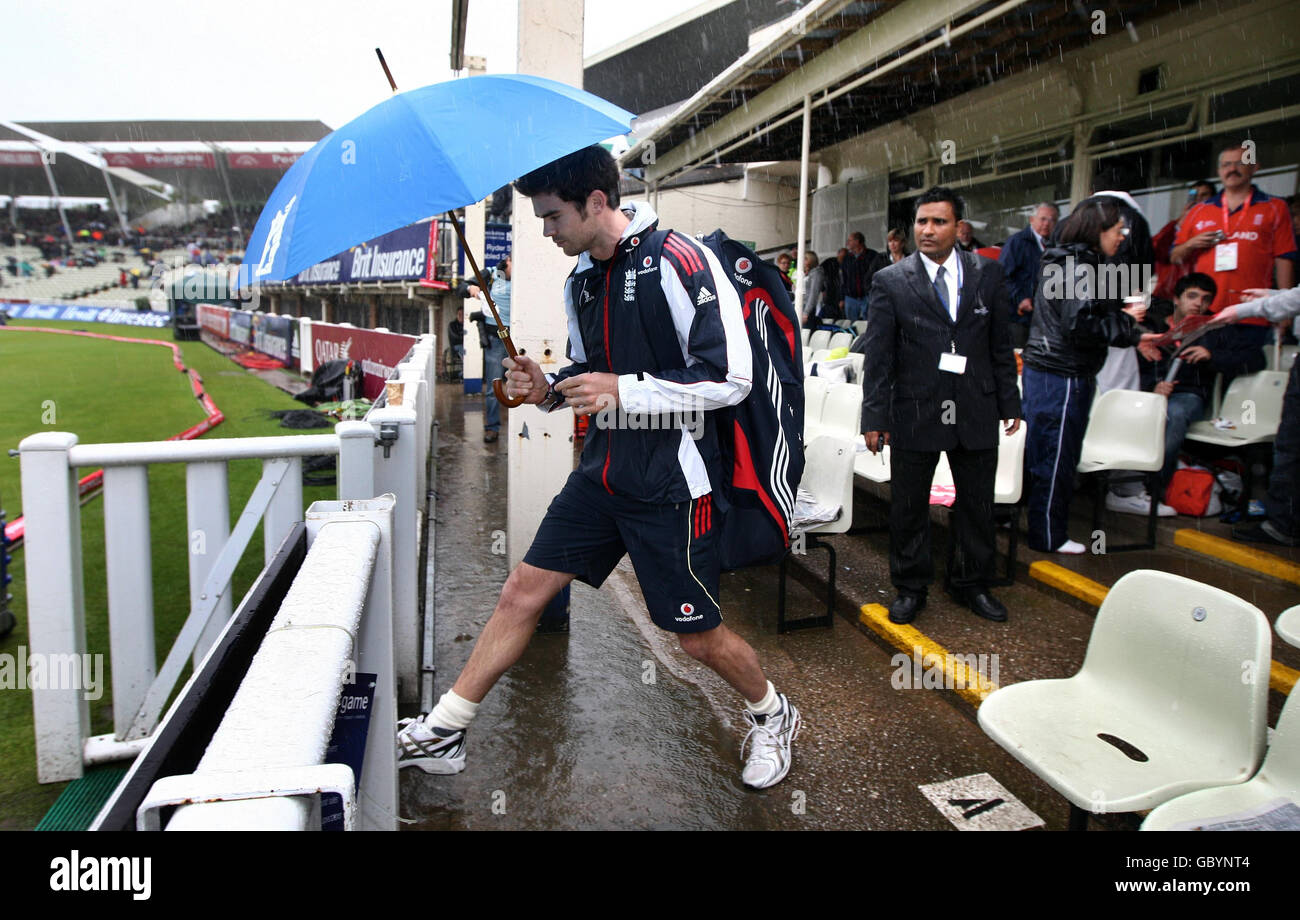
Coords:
554,399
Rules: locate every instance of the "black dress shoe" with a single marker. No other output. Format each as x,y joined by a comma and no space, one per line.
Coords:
983,604
905,607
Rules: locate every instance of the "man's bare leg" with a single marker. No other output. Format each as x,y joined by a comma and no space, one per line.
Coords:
734,660
511,625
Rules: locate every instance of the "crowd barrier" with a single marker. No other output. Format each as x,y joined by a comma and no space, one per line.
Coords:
303,344
385,453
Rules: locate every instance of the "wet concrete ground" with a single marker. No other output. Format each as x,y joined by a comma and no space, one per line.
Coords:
575,737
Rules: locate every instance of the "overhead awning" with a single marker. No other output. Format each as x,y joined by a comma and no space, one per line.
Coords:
864,65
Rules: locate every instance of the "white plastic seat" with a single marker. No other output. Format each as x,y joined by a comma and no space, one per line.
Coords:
840,416
1257,397
1009,480
873,467
807,359
806,334
840,340
859,327
1159,707
1288,626
814,395
1126,431
1276,783
820,354
819,339
828,476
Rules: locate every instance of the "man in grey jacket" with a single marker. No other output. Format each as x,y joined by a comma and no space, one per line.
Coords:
1282,525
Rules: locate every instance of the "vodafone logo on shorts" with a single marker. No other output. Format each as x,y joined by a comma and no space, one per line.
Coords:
688,614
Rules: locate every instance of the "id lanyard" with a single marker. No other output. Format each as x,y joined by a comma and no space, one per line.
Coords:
960,276
1245,206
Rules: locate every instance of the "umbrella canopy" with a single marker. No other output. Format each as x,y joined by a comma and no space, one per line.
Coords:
416,155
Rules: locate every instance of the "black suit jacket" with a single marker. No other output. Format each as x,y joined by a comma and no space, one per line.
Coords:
904,392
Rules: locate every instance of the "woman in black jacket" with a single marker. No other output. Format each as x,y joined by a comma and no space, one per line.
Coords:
1075,320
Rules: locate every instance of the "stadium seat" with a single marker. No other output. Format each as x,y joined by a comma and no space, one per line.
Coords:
859,327
873,467
1253,405
840,415
806,334
1158,709
828,477
1275,788
1126,433
819,339
1288,626
840,340
814,394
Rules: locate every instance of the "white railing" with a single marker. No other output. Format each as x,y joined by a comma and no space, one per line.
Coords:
263,769
386,453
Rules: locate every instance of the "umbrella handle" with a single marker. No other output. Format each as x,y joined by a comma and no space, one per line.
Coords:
503,331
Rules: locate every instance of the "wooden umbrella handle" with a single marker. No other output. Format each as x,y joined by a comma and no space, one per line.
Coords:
503,331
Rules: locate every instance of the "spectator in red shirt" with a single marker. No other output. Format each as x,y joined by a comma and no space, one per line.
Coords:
1167,273
1240,237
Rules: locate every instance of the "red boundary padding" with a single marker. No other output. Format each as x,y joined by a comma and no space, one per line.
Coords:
15,529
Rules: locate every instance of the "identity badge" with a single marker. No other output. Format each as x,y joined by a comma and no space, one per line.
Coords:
1225,257
952,363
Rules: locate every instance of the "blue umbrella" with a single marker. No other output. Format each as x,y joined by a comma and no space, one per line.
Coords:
415,155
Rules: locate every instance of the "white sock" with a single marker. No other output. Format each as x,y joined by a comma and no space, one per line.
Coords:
769,705
452,711
1070,548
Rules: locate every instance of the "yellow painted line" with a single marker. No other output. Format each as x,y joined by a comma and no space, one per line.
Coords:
1247,557
1072,583
928,656
1280,677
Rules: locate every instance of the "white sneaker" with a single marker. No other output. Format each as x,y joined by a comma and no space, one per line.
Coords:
773,740
1071,548
432,749
1136,504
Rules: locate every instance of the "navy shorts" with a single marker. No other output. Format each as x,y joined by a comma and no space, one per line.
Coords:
586,531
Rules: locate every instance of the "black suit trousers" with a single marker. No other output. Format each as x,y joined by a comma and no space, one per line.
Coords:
971,546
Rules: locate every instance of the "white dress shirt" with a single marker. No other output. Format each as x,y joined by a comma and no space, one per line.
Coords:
951,270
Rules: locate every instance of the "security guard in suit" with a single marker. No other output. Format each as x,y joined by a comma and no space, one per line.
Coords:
940,374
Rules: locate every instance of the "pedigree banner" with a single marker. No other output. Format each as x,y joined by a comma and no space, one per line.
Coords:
378,352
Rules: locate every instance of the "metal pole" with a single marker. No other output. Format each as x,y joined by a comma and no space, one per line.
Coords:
803,204
112,196
49,174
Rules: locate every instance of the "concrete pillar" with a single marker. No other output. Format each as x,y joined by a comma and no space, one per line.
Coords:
1081,174
540,446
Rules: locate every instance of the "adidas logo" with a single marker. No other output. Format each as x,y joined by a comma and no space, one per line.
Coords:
705,296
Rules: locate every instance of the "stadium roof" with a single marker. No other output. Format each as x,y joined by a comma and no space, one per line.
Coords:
153,162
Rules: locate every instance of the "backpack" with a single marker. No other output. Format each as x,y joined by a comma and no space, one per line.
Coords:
761,438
